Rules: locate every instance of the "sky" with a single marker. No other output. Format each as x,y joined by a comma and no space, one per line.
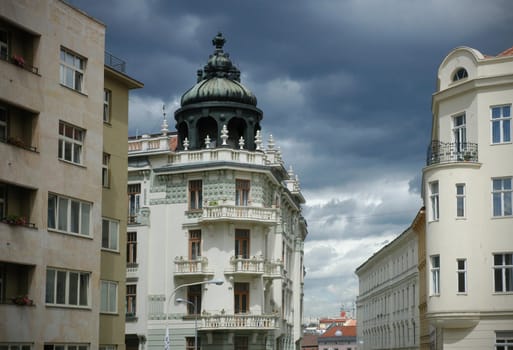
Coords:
345,87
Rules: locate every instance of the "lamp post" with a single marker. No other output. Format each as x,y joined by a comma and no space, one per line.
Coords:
180,300
216,281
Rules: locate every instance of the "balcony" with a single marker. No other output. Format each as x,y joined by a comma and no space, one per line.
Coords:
451,152
115,62
132,269
17,127
15,284
192,267
215,213
15,205
238,321
18,46
251,266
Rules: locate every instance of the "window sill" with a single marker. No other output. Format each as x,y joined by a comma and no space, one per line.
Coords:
110,250
74,90
68,233
80,165
502,217
65,306
501,143
109,313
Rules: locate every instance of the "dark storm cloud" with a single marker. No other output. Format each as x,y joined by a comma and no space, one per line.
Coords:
345,87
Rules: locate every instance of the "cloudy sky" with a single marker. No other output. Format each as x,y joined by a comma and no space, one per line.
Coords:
345,87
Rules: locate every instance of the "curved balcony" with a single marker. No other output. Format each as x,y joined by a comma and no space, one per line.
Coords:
238,321
451,152
239,213
251,266
192,267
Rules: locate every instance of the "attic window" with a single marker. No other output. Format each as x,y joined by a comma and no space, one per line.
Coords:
460,74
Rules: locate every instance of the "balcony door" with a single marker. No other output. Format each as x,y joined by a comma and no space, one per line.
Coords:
242,244
241,298
460,133
194,244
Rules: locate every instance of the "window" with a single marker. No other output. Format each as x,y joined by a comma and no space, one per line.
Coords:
71,141
70,288
69,215
106,170
108,347
461,73
241,192
195,194
241,296
15,346
433,186
460,134
502,196
435,275
134,198
131,248
109,297
504,340
4,44
66,347
3,124
240,343
462,275
460,200
189,343
501,124
131,299
242,244
194,296
107,97
72,70
110,234
503,272
194,244
3,200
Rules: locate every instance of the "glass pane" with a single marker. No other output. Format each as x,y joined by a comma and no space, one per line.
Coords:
506,111
68,58
84,229
67,151
497,259
508,259
69,77
112,297
73,288
459,211
104,291
105,233
509,280
63,214
460,189
78,81
50,285
78,134
496,112
61,287
84,289
75,216
506,129
507,203
77,153
496,132
507,183
497,205
52,210
113,242
61,152
497,184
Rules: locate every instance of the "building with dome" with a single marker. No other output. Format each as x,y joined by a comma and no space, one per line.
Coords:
216,231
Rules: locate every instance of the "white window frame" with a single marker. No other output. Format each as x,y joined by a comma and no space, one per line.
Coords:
461,210
434,196
72,68
16,346
106,170
107,103
502,197
134,201
52,285
61,346
62,215
435,274
461,272
108,297
110,234
504,340
73,143
4,123
500,124
108,347
505,269
459,132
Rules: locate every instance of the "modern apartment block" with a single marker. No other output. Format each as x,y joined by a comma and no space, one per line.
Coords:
211,204
61,269
467,191
388,298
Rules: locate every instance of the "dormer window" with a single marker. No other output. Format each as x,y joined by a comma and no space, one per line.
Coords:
461,73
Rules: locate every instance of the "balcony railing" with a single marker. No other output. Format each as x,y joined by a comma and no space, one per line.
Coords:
238,322
115,62
450,152
232,212
191,267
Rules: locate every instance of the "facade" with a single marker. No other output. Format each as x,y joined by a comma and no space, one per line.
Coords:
211,203
388,298
467,190
52,142
339,337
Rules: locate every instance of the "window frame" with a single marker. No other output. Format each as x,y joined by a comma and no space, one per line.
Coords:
131,247
4,123
194,296
460,74
194,244
242,191
502,196
109,237
461,273
57,222
16,345
435,275
134,201
242,243
106,170
107,105
240,342
461,209
504,340
434,197
459,133
4,45
131,300
500,120
79,289
107,304
3,200
195,195
75,142
505,270
77,76
71,346
241,297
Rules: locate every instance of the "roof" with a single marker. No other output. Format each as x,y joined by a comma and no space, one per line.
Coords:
347,331
309,340
507,52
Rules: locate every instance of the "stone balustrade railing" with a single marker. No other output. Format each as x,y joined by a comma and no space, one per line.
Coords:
238,321
223,212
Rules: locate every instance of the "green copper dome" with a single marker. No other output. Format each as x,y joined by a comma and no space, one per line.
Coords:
219,80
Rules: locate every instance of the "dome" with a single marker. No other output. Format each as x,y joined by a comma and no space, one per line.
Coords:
219,80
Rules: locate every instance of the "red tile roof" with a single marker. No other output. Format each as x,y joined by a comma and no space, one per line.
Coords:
348,331
507,52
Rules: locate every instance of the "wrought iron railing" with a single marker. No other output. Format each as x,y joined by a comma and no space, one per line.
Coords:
115,62
449,152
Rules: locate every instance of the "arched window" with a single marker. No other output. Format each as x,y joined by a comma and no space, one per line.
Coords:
461,73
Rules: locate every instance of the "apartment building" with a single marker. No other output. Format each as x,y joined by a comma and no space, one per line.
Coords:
58,225
215,235
388,298
467,191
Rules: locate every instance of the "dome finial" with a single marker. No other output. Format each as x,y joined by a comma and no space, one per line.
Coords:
219,41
